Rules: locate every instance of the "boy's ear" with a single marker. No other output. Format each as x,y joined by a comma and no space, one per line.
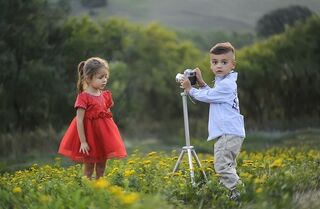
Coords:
234,63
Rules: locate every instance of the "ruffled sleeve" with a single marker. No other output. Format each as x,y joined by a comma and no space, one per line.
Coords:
81,101
108,99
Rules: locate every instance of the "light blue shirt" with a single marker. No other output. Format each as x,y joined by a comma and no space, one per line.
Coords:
224,111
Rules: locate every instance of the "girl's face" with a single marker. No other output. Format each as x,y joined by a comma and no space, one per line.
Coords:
99,80
222,64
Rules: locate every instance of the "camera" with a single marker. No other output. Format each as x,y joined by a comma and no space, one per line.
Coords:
190,74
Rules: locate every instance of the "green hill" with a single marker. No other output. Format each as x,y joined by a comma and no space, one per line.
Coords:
240,15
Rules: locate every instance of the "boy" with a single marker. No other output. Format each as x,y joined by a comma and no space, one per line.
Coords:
226,124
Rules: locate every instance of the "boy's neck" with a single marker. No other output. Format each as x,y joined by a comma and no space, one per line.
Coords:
232,71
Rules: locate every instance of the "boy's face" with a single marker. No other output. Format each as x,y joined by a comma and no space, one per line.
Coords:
222,64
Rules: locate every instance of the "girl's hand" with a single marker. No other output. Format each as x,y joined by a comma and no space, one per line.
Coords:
84,148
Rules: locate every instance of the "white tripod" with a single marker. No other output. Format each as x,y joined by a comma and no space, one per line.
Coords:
188,149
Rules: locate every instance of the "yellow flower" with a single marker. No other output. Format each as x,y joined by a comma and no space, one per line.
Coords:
131,162
116,190
260,180
17,190
147,162
246,175
128,173
142,175
259,190
152,154
100,183
45,199
277,163
130,198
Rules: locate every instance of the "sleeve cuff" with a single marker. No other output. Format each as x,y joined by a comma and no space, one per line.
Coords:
191,92
204,86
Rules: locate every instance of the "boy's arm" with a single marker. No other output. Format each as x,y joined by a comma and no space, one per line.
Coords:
222,93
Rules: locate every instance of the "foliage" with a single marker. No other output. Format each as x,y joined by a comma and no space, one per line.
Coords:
143,60
275,178
94,3
25,46
279,77
277,20
50,52
206,39
40,50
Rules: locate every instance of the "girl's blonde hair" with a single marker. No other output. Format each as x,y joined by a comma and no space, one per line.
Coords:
88,68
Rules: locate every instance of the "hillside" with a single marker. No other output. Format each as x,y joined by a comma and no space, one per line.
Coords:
239,15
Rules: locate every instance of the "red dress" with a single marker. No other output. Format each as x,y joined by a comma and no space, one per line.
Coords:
101,132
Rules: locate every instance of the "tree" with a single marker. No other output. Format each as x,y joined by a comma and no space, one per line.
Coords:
25,28
94,3
276,21
279,78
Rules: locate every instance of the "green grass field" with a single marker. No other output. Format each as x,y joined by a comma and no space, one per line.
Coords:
258,141
277,177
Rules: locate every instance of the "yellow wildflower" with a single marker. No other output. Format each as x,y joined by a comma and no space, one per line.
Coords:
100,183
17,190
146,162
277,163
128,173
246,175
130,198
260,180
45,199
131,162
259,190
116,190
152,154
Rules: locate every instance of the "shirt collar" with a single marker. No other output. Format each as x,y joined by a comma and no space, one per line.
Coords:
231,74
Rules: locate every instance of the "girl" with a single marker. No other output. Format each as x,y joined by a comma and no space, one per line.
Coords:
92,136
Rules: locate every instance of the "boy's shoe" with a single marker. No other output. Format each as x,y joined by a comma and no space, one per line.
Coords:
235,195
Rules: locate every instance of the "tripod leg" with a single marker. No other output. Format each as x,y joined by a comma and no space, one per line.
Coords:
191,166
178,161
199,164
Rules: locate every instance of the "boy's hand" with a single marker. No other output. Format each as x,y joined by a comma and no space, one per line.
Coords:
186,84
200,80
84,148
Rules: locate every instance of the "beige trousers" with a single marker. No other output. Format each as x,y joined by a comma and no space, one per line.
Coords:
226,150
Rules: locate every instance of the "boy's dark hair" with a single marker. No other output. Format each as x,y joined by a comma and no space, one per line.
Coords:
222,48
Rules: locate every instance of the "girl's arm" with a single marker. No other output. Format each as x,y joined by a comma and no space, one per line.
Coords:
84,147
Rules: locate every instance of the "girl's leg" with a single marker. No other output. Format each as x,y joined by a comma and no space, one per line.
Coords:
100,167
88,170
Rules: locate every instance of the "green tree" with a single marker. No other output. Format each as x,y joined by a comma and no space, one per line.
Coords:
152,56
279,77
276,21
94,3
25,28
144,61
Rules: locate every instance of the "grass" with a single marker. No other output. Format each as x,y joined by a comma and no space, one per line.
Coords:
276,178
255,141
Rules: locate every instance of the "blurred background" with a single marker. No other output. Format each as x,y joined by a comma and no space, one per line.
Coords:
147,42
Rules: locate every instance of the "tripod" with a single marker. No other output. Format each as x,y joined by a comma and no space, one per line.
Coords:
188,148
